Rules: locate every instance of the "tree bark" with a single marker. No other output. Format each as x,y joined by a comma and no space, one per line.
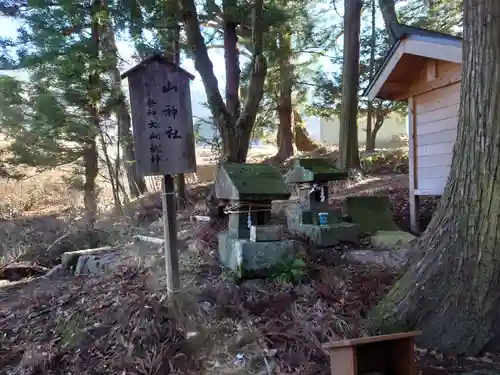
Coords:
452,292
232,59
235,132
370,141
136,183
348,145
389,15
90,155
180,180
285,133
302,139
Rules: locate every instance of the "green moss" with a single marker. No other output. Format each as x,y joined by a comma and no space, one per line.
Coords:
317,165
314,170
371,213
251,182
382,319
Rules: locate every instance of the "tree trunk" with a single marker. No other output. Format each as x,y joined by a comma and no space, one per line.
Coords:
91,167
453,292
235,132
370,141
389,15
302,139
348,145
285,134
180,180
91,153
136,183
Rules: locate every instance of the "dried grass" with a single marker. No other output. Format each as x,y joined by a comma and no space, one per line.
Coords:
123,324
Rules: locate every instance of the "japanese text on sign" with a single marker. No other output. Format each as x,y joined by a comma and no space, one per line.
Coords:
156,133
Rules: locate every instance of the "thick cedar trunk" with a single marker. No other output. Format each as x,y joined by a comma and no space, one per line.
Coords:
285,134
389,15
348,147
452,293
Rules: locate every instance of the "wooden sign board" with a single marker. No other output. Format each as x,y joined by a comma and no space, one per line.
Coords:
161,117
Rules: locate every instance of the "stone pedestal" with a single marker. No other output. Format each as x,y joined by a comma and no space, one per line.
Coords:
252,247
306,223
249,259
312,176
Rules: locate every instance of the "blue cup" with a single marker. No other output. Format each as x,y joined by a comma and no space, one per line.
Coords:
323,218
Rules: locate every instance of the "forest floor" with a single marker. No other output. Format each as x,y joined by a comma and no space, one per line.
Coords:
122,323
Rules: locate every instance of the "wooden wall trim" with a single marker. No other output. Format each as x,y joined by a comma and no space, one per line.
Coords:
387,70
412,168
423,87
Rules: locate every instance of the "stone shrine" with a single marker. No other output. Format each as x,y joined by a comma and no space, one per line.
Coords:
252,247
313,217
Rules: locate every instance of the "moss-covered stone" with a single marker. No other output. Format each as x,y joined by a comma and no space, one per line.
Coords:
250,182
321,235
314,170
254,259
371,213
392,239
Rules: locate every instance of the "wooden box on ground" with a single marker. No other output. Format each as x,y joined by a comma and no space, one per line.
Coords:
387,354
424,69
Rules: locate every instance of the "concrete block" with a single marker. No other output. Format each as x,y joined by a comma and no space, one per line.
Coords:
312,217
296,217
331,234
263,233
254,259
70,259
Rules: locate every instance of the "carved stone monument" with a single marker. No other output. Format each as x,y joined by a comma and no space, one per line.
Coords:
313,217
252,247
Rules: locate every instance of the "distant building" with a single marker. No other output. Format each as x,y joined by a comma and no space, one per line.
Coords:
395,125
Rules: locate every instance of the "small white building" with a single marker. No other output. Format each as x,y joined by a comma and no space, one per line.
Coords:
424,69
393,126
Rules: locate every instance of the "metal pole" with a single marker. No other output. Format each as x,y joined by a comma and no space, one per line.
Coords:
170,235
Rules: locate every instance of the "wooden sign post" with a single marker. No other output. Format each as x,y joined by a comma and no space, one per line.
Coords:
163,137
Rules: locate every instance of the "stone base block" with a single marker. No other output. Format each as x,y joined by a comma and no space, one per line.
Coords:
296,217
108,259
312,217
254,259
331,234
263,233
